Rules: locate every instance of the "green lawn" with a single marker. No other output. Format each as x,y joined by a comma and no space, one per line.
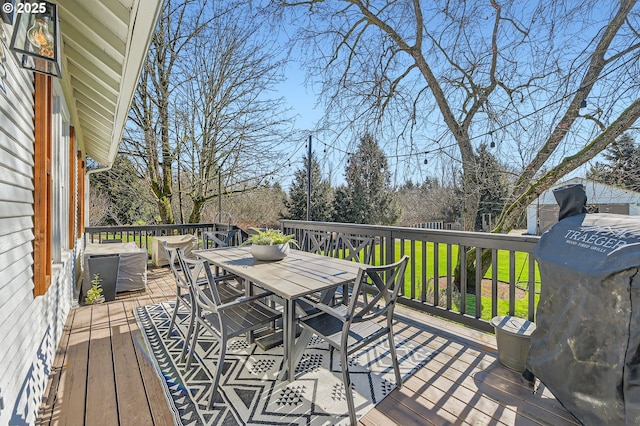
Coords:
521,275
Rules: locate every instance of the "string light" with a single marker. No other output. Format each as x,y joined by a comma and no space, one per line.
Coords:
583,104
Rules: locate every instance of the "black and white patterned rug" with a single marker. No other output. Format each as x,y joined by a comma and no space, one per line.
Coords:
250,392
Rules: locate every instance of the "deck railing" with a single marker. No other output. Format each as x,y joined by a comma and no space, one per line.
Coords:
509,287
143,234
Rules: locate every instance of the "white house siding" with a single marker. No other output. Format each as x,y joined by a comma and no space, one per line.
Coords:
30,326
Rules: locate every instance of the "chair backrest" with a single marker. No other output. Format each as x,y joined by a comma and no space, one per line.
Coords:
358,249
176,270
213,239
194,270
381,285
318,242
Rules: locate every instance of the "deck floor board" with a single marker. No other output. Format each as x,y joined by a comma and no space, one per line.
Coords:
102,374
133,406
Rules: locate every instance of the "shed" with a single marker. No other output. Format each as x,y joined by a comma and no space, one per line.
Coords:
601,198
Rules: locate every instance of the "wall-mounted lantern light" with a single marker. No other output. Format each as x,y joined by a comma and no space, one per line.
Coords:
36,38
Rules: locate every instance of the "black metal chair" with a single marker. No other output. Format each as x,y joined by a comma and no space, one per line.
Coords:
350,328
352,247
184,294
223,320
317,242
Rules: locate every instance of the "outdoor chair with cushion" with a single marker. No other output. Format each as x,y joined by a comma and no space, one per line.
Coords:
352,327
223,320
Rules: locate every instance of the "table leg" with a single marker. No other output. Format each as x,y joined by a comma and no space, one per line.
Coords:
248,290
293,349
288,338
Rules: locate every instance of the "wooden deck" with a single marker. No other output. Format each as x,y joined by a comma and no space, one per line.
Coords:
101,376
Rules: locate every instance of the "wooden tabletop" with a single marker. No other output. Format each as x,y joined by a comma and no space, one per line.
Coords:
298,274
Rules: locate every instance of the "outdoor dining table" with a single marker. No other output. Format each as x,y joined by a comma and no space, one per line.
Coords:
297,275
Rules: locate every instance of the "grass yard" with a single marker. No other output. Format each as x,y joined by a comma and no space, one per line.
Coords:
424,273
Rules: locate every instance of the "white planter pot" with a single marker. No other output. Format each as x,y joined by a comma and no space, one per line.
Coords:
275,252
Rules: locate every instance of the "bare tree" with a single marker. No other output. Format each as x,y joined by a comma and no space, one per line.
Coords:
229,126
202,122
427,202
99,207
147,137
261,207
516,74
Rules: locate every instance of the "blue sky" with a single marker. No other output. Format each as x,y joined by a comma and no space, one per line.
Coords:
302,100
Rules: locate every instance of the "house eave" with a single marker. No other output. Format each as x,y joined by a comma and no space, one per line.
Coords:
105,43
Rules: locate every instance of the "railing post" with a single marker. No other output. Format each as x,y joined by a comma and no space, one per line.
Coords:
390,248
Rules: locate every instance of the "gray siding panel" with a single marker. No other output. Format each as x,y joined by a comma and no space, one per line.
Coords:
33,337
8,225
14,193
13,263
31,326
11,209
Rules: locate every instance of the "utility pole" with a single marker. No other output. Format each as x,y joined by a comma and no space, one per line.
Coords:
309,181
219,195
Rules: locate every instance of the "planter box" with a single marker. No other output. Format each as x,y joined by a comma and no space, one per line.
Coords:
106,266
513,337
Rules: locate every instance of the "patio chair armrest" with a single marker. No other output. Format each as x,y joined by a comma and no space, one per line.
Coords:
323,307
242,300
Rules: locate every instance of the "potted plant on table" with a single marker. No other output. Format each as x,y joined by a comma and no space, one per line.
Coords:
270,244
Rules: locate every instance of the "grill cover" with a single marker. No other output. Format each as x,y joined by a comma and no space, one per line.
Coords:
586,346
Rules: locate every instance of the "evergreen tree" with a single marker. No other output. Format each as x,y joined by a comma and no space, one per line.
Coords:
321,194
367,197
493,187
622,167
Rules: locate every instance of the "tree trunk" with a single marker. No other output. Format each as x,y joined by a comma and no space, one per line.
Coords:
165,210
471,269
472,198
196,211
